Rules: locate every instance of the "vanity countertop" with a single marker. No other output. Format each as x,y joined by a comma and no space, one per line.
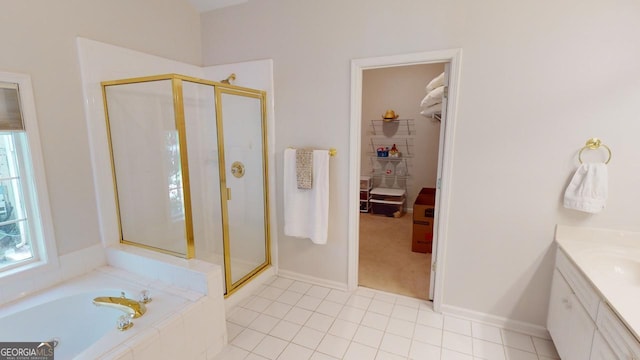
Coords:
610,260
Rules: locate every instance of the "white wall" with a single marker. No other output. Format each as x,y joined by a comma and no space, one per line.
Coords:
39,38
401,89
538,79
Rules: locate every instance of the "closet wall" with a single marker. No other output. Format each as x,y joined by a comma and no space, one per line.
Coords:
401,89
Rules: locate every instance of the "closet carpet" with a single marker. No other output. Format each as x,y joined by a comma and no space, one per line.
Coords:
386,261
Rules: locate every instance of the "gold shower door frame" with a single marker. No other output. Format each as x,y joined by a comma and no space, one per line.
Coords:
178,103
225,192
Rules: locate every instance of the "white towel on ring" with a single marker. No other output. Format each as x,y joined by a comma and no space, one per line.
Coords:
306,211
588,188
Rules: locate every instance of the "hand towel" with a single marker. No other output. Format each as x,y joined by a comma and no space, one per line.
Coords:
431,110
304,168
588,188
306,212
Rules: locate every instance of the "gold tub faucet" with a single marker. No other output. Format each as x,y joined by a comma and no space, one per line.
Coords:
135,309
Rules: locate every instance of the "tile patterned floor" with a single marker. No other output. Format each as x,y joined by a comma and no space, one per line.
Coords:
293,320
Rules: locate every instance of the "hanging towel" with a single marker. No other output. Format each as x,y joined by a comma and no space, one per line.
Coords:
437,81
304,168
306,212
588,188
434,97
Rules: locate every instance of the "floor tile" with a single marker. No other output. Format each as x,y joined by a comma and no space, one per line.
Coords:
289,297
357,351
486,332
381,307
362,291
298,316
351,314
318,291
258,304
285,330
338,296
253,356
319,322
515,354
264,323
385,297
271,292
243,317
248,339
333,346
308,337
422,351
401,327
428,334
457,342
376,321
360,302
309,302
281,283
320,356
488,350
430,318
295,352
457,325
518,341
233,330
270,347
231,352
368,336
277,309
343,329
329,308
409,302
545,347
454,355
404,313
395,344
299,287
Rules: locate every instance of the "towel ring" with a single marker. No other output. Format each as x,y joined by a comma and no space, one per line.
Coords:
594,144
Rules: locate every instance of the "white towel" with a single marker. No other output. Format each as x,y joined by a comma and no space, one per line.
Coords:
433,97
431,110
437,81
306,212
588,188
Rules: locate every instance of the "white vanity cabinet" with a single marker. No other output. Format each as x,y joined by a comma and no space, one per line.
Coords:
569,324
581,323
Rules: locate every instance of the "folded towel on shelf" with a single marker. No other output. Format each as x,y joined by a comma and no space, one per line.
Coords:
433,97
306,212
304,168
588,188
431,110
437,81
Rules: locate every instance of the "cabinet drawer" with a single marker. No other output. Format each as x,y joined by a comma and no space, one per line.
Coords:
588,297
614,332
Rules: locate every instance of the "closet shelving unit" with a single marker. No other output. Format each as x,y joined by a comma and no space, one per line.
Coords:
391,172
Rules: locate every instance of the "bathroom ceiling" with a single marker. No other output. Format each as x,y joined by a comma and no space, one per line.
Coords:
208,5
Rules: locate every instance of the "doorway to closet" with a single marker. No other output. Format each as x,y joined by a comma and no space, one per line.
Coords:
398,83
399,158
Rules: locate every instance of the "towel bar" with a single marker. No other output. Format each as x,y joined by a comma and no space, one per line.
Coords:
594,144
332,151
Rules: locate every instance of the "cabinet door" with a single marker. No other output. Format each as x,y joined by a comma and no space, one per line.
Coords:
569,323
600,349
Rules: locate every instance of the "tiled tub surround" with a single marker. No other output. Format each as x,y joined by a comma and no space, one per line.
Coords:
596,290
286,319
185,320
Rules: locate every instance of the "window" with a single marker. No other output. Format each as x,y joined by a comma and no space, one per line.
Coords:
23,243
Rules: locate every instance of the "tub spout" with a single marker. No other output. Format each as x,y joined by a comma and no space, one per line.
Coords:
134,308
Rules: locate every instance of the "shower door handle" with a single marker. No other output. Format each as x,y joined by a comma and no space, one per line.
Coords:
228,194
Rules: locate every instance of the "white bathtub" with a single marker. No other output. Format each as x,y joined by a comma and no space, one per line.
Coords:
85,331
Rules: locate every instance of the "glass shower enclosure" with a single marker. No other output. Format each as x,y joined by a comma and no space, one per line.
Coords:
189,162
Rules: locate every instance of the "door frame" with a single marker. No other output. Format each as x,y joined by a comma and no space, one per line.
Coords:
454,58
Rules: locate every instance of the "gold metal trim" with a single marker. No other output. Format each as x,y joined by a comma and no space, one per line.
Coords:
178,108
594,144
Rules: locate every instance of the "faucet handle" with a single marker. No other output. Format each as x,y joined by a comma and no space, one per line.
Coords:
145,296
124,322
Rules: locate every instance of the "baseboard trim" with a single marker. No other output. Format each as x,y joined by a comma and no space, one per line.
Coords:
502,322
312,279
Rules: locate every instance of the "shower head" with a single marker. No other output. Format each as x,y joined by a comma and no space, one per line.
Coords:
229,79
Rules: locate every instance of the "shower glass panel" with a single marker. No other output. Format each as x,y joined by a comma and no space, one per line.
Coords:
241,118
147,165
